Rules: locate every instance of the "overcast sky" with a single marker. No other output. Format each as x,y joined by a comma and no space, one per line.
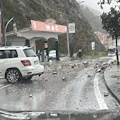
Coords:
93,4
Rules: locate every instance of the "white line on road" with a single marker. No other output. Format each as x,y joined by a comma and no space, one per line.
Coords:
5,86
98,94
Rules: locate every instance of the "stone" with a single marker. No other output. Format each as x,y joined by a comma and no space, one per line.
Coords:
72,66
103,67
31,95
59,67
50,62
85,63
106,94
99,70
54,73
46,80
89,76
64,79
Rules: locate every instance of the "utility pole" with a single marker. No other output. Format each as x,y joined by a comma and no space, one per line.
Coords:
2,23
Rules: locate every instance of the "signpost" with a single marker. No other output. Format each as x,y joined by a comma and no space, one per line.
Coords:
93,46
70,29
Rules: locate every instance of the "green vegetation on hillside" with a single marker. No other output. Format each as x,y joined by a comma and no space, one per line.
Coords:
61,10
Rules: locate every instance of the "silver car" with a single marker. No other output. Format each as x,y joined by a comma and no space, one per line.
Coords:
52,54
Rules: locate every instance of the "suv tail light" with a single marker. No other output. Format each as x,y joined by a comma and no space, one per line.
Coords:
26,62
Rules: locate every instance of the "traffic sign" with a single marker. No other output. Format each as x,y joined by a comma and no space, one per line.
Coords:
93,45
71,27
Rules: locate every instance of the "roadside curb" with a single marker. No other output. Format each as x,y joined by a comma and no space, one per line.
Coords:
109,89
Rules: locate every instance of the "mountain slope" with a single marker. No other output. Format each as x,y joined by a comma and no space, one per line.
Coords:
60,10
93,18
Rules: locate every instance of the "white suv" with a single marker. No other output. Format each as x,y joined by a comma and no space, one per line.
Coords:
19,63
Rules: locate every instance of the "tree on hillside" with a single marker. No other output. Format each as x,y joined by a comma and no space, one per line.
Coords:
111,23
108,1
102,2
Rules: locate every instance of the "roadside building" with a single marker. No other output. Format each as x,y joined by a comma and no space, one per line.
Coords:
104,39
38,30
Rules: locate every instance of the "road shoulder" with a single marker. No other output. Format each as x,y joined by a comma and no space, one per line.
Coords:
112,80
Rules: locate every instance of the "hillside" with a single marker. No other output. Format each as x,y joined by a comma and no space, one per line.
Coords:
95,12
60,10
93,17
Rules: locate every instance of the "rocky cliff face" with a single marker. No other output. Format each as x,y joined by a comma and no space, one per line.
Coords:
60,10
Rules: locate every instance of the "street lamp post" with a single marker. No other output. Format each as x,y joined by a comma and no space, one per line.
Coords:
6,29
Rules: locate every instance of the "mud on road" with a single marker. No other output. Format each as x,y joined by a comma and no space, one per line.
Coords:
56,78
63,86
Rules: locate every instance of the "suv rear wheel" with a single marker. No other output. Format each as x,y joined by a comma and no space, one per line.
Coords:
13,75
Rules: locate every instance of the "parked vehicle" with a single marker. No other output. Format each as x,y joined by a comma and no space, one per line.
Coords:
52,54
19,63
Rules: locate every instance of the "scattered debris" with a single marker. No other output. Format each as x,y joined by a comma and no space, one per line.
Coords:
89,76
31,95
104,64
50,62
75,65
103,67
54,73
98,66
85,63
116,105
64,79
72,66
106,94
110,62
95,66
46,80
59,67
50,91
99,70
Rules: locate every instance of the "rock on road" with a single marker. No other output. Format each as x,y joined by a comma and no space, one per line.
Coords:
72,86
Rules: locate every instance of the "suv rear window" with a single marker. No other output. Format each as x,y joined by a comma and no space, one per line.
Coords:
29,52
4,54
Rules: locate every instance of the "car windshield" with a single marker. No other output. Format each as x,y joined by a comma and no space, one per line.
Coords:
60,57
52,52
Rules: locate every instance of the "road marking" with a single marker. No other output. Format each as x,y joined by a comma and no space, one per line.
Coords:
5,86
98,94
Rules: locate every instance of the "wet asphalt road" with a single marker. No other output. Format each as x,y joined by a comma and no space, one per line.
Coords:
62,87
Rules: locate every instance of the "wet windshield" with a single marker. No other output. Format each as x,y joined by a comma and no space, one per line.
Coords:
60,57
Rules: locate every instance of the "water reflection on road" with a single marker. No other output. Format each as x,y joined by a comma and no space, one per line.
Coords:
22,96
